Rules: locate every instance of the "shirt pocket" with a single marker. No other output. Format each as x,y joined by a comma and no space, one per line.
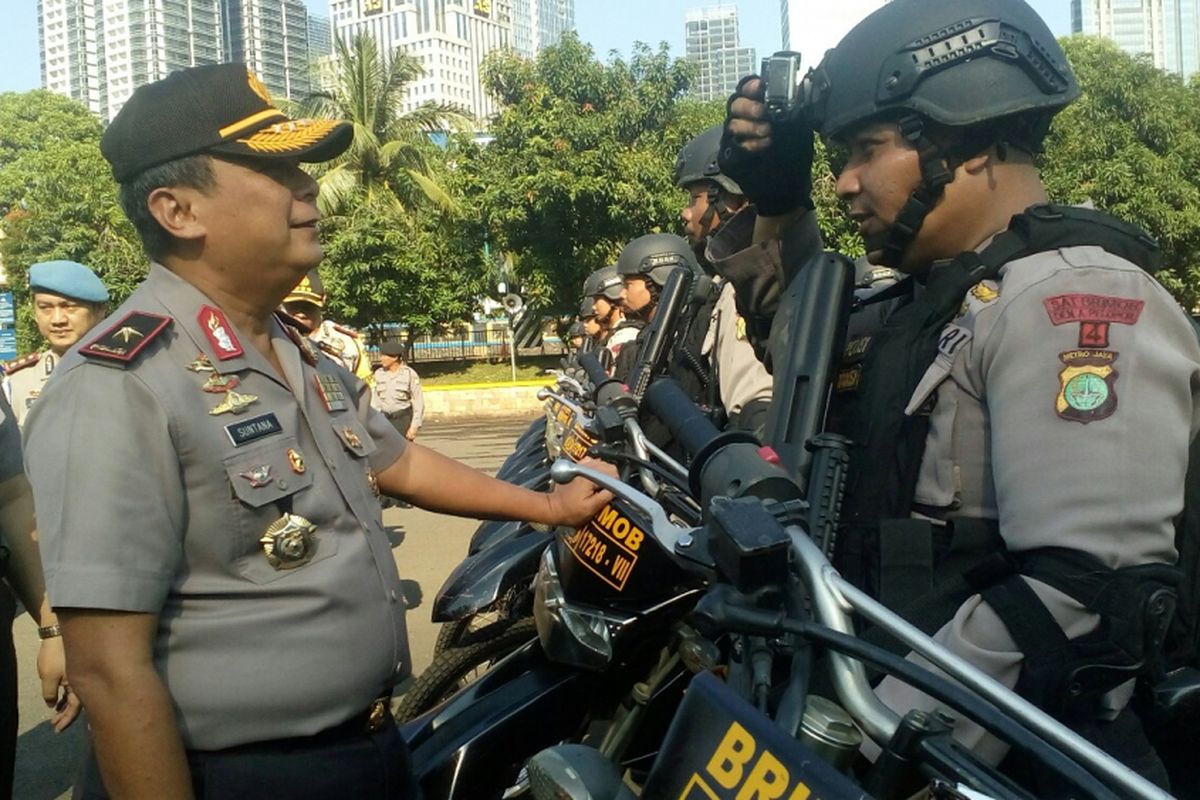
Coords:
353,435
265,481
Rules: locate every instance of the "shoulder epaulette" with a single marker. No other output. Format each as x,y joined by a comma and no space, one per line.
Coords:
340,328
120,343
18,364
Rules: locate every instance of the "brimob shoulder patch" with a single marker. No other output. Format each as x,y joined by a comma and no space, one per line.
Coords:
121,343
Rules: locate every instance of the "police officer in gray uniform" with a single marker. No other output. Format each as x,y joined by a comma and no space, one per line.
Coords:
1030,391
68,301
397,391
228,597
714,200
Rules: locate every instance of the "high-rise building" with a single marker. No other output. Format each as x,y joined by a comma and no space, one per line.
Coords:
99,51
813,27
540,23
320,37
1166,30
271,38
449,37
711,43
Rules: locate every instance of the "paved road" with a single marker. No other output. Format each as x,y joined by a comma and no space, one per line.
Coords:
427,546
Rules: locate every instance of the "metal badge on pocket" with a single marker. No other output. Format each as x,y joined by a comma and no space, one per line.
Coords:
289,542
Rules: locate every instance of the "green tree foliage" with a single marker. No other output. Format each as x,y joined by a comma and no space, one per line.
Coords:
1131,145
391,158
581,160
58,200
416,269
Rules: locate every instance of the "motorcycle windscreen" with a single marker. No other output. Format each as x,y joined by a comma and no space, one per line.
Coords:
614,561
720,747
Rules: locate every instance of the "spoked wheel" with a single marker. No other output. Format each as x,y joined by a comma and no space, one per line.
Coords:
460,665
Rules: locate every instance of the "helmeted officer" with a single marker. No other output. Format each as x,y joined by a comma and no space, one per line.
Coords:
714,200
397,391
1029,391
68,301
603,287
228,597
306,302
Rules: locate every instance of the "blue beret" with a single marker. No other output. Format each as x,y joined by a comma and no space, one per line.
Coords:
68,279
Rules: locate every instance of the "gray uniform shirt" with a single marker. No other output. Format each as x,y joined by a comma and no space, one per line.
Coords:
26,384
1063,402
149,502
741,377
396,391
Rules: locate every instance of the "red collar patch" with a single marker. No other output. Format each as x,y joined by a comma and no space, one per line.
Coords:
121,342
219,332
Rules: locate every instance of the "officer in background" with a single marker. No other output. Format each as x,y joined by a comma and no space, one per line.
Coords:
1026,391
306,302
603,287
714,200
206,483
68,301
397,391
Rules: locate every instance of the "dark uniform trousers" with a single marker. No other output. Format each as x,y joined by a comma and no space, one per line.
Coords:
340,763
401,420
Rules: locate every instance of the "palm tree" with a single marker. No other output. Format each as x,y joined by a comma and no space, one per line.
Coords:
389,159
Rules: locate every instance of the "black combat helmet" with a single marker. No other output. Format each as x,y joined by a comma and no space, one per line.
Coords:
604,282
587,308
697,161
955,62
989,70
655,255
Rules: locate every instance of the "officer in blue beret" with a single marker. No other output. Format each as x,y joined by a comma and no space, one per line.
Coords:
68,301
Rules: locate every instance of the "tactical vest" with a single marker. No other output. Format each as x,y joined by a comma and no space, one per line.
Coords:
895,557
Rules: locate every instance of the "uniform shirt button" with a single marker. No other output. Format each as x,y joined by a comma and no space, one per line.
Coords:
281,483
394,595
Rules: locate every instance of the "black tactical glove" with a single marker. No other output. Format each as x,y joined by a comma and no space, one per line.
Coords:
770,160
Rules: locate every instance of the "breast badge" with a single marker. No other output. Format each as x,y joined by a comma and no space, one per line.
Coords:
219,384
258,476
234,403
350,437
373,482
1087,386
289,542
296,459
201,364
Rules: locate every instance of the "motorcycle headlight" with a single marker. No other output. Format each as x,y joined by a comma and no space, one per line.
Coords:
569,635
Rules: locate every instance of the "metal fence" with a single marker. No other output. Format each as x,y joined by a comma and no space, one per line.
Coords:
477,342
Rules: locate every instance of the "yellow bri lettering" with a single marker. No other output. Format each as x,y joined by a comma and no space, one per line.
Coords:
729,760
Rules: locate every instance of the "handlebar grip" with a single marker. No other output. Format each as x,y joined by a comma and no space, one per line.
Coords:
595,372
687,423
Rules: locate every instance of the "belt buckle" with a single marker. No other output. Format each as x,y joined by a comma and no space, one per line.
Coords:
377,715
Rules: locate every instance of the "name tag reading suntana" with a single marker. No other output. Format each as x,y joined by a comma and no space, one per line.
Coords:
248,430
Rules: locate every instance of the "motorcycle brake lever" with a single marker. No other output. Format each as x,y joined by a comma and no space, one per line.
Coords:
564,471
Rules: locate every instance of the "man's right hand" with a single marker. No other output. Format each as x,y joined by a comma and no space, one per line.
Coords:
771,161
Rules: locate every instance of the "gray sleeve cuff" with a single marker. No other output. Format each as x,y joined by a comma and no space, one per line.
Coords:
96,587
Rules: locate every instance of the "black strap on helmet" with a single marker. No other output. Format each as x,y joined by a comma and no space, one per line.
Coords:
937,170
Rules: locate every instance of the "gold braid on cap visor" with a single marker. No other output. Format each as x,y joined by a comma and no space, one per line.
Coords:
287,137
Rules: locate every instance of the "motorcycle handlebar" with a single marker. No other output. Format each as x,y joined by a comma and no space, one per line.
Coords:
688,424
595,372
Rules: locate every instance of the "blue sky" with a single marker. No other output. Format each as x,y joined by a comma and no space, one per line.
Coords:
606,24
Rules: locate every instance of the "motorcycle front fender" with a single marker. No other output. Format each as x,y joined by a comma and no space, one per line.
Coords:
480,578
494,532
472,745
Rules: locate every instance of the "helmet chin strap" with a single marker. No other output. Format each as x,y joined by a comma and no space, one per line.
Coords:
937,170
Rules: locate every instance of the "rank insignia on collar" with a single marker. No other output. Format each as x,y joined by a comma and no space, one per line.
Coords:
296,459
201,364
219,333
121,342
350,437
234,403
218,383
333,394
1087,385
289,542
258,476
300,340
